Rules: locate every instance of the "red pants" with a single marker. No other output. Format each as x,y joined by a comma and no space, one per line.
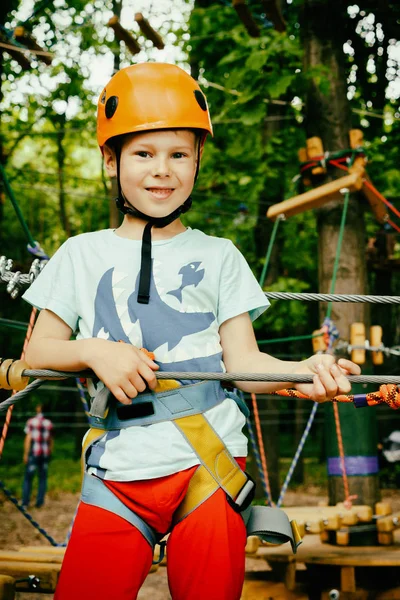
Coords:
108,559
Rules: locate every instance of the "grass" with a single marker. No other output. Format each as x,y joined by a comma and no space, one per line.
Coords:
64,471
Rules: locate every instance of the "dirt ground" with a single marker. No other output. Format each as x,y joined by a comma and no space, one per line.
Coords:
56,516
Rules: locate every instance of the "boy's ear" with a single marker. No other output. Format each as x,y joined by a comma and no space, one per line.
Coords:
110,161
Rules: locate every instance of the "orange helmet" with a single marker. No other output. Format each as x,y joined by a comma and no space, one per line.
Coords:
150,96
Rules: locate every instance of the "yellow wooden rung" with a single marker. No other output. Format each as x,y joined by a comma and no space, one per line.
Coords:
252,545
383,509
356,138
5,364
385,538
385,524
342,537
318,341
357,338
315,149
375,339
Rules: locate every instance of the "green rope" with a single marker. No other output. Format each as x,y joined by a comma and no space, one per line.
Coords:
333,155
269,249
16,206
338,251
290,339
14,324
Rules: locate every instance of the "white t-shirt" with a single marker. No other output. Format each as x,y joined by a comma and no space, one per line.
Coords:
197,283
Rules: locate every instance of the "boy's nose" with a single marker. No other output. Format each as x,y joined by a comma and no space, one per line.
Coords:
161,168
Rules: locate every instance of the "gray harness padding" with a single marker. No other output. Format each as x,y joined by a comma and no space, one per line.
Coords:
269,524
96,493
179,402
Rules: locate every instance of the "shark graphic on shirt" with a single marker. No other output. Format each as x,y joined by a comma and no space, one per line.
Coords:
159,322
190,276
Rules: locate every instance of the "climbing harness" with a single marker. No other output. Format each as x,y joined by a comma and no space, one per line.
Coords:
185,407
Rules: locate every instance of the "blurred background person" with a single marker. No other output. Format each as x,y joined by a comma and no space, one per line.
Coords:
38,448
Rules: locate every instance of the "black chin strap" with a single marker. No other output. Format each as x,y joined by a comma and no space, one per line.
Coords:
126,208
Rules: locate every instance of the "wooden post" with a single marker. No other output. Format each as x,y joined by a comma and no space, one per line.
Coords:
328,116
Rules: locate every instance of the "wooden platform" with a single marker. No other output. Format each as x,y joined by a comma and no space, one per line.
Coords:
358,573
44,562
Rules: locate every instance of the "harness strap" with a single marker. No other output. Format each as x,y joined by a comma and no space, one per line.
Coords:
217,469
272,526
96,493
92,436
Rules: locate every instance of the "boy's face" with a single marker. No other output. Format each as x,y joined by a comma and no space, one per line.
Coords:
157,169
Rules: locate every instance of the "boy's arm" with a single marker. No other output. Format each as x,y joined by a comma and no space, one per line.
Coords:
241,354
124,369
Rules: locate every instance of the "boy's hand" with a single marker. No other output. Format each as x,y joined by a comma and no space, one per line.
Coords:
123,368
329,377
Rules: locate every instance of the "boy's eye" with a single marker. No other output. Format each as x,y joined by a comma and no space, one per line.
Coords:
179,155
142,153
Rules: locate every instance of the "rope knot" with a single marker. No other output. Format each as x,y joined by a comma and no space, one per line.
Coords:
391,395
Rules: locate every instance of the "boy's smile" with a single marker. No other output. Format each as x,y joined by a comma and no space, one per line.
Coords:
157,170
160,192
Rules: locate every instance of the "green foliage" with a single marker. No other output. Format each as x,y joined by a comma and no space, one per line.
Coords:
51,156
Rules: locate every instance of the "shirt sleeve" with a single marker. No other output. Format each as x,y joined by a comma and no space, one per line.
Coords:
239,291
54,288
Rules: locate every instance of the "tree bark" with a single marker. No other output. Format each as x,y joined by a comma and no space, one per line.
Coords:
328,116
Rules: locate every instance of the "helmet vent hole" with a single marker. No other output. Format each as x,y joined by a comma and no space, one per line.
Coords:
201,101
111,106
103,97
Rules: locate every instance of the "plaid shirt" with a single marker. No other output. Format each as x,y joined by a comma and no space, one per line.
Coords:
40,429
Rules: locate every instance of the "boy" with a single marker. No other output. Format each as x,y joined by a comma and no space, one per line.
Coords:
186,297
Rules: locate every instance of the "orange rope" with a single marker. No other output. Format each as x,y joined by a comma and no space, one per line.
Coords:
387,394
261,446
347,498
10,408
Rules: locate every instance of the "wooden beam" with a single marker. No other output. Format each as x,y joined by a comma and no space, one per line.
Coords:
377,206
148,31
47,572
17,53
315,197
246,17
24,37
123,35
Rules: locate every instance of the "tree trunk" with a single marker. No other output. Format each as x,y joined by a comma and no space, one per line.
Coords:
328,116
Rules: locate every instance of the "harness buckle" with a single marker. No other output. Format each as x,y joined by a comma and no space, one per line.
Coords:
244,497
